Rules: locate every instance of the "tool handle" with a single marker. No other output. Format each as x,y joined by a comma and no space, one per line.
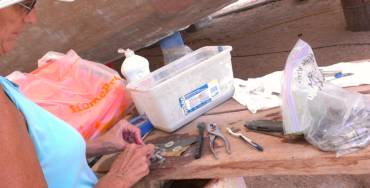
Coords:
198,148
252,143
264,125
199,144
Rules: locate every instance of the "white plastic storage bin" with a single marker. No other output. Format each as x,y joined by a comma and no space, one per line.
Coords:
185,89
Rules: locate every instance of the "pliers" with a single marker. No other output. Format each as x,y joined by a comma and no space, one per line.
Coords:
214,132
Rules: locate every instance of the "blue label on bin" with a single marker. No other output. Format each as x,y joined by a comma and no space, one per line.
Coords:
199,97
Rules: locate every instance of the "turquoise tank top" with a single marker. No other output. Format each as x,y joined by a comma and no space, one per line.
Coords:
60,148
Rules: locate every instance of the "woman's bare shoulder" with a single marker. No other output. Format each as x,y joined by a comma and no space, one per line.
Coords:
18,159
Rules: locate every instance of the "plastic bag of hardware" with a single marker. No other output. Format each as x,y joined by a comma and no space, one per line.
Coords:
331,118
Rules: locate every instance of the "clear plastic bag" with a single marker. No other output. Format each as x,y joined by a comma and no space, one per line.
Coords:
302,80
89,96
331,118
340,120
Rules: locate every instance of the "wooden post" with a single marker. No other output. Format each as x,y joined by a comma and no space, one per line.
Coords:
357,14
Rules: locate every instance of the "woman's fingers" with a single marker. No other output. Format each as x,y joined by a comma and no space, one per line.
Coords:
132,134
149,150
137,134
132,164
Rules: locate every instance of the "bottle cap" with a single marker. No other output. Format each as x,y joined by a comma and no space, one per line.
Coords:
127,52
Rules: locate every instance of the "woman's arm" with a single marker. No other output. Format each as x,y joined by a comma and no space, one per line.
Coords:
18,160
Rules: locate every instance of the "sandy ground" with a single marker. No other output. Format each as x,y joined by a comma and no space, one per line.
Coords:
262,39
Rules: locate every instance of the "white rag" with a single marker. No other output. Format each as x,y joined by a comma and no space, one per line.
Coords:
264,92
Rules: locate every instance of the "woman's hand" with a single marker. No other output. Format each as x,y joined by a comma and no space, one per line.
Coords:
115,139
130,133
129,167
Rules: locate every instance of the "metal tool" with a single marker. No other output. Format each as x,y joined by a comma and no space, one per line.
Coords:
335,74
268,127
340,75
199,144
236,133
174,145
265,125
157,157
214,132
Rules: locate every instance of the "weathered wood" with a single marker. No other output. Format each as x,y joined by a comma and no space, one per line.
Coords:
357,14
228,106
96,29
263,37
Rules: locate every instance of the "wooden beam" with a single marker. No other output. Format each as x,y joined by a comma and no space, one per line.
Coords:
357,14
96,29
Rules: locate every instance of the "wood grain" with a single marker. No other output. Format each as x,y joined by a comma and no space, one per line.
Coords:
96,29
357,14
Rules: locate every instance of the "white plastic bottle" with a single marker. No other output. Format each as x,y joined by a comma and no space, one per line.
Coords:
134,67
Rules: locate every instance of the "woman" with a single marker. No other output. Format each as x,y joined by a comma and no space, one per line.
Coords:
51,153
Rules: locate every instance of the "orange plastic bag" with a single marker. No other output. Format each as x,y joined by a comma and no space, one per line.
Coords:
89,96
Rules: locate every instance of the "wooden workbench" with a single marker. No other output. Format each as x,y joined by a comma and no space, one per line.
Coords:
280,156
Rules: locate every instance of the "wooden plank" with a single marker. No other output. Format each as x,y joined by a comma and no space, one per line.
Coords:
228,106
363,89
357,14
279,158
96,29
257,35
